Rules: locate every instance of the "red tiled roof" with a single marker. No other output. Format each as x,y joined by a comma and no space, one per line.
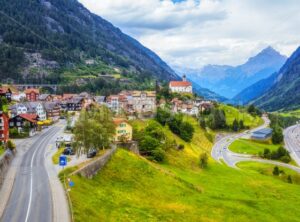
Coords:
30,117
118,121
180,84
67,96
27,91
4,89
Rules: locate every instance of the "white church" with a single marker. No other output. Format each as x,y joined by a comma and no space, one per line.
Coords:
183,86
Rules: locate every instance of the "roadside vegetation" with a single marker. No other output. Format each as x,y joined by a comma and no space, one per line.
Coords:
2,149
94,130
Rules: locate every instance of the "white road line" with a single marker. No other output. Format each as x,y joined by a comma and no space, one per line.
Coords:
31,184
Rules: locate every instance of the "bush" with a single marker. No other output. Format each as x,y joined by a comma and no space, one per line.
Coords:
11,145
186,131
276,171
158,155
285,159
203,160
163,116
181,147
289,179
277,136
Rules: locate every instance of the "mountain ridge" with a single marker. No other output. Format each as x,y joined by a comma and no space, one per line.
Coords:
65,34
229,81
284,94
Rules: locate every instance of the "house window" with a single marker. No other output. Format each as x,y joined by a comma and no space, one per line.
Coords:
18,124
11,123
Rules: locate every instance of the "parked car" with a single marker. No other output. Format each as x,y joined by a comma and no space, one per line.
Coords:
92,153
69,151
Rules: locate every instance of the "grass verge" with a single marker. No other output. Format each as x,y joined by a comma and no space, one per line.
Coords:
251,147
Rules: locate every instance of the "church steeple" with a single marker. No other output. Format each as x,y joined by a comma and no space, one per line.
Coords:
184,78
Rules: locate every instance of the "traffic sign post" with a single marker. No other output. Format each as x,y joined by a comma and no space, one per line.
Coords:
63,161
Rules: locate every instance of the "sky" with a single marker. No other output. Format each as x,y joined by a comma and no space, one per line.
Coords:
193,33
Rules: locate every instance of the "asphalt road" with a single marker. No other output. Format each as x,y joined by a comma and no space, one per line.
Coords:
31,199
220,151
292,142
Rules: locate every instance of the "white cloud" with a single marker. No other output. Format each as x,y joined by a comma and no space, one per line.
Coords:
193,33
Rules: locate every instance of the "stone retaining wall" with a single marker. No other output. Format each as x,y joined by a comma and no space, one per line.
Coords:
91,169
5,161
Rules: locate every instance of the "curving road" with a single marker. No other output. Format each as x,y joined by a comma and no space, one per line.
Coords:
292,142
31,198
221,153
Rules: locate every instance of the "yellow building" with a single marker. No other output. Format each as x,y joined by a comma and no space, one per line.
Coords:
123,130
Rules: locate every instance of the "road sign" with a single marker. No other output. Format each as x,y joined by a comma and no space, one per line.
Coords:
71,184
63,161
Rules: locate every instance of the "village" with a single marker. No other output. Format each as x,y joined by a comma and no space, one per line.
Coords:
26,113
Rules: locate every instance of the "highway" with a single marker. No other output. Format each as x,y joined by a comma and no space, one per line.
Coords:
292,142
31,198
221,152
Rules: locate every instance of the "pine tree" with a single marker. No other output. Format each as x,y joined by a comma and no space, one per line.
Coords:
235,126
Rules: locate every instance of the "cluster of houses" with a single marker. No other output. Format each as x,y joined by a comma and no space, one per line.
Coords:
33,108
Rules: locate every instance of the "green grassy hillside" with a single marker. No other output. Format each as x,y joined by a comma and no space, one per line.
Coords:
234,113
131,188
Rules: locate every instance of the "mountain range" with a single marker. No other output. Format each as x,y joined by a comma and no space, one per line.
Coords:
283,92
40,39
229,81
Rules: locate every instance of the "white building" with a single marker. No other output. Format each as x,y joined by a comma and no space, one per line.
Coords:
36,108
18,96
17,109
183,86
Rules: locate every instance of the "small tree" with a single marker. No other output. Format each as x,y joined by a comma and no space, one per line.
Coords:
235,126
203,160
202,123
289,179
241,124
276,171
277,136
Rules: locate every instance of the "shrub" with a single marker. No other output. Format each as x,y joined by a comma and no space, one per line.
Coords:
277,136
285,159
203,160
158,155
11,145
186,131
289,179
276,171
181,147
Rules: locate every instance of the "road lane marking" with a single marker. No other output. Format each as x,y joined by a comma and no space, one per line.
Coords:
31,175
31,184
